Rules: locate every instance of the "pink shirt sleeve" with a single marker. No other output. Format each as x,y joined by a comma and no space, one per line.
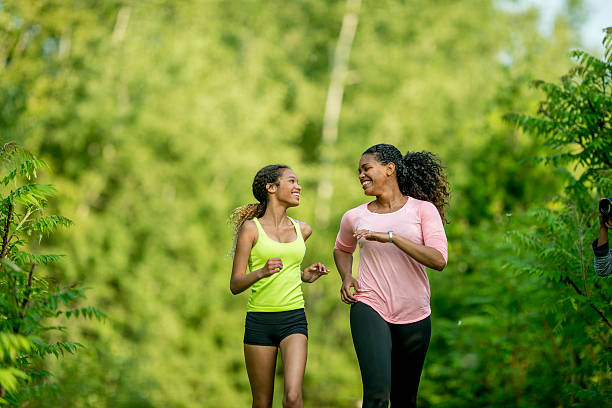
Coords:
433,229
345,241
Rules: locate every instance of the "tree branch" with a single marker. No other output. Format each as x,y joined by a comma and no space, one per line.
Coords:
28,291
603,317
550,336
25,217
7,228
333,106
24,303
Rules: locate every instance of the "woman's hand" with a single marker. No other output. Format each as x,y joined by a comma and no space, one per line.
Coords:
314,272
345,291
430,257
372,236
272,266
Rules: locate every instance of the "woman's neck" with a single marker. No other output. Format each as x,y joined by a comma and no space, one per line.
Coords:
275,214
391,199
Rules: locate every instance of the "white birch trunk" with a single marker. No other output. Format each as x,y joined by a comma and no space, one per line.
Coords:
333,105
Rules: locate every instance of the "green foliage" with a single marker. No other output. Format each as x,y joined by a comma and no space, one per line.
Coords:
575,119
555,248
27,300
154,117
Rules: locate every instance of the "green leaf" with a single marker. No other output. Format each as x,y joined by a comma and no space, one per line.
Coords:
10,377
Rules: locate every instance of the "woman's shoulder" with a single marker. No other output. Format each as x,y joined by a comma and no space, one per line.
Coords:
359,210
249,228
417,204
424,209
302,224
305,228
248,234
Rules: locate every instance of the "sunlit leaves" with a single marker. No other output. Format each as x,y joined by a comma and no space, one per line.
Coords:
575,117
58,349
155,134
86,312
28,300
574,120
27,169
47,225
32,194
13,345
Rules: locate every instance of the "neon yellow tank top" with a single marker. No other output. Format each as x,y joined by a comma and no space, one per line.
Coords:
281,291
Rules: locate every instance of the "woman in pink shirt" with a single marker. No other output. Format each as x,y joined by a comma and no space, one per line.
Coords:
399,234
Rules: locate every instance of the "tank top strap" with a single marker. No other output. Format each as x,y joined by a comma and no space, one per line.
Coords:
256,221
296,225
298,230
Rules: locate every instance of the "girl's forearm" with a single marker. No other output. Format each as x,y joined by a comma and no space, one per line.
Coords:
240,283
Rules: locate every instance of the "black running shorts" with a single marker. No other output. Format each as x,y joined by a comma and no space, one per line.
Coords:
270,328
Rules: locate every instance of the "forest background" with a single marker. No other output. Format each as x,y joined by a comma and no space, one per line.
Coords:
154,117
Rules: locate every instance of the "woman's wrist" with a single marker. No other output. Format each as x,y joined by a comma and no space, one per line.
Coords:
348,276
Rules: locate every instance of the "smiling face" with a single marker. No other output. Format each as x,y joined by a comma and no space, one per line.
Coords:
374,175
287,190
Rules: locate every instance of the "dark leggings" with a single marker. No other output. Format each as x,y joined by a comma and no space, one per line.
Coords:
390,357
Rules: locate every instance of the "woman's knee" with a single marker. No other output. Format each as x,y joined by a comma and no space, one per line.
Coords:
262,403
376,394
376,400
292,398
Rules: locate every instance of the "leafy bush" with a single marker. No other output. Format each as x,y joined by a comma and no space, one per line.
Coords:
575,120
28,302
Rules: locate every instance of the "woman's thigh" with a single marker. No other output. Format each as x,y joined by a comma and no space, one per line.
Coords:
261,364
410,344
294,349
372,341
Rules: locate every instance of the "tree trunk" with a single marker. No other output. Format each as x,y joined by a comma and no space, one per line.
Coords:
333,105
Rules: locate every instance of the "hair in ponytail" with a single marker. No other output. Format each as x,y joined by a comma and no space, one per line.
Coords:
420,175
267,175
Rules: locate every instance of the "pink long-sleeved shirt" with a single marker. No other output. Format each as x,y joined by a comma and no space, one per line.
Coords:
390,281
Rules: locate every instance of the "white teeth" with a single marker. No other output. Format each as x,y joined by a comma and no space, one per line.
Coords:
366,183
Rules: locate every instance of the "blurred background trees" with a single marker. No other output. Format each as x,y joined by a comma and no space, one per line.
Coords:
154,117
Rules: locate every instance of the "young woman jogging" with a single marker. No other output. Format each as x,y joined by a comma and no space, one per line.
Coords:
399,234
271,246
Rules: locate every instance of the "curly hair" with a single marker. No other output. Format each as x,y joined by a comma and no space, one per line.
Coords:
267,175
420,175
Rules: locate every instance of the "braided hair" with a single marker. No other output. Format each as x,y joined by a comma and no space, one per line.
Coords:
420,175
267,175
